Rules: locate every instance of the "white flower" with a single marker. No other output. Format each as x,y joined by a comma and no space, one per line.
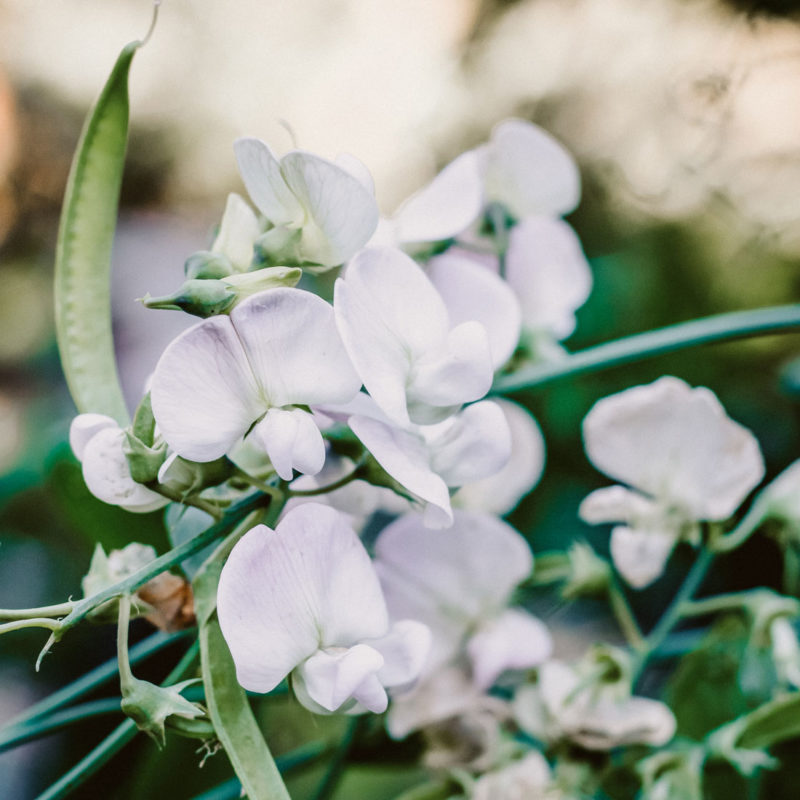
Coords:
527,778
459,581
321,207
237,234
253,369
97,442
685,460
500,493
521,167
304,600
428,459
566,704
413,362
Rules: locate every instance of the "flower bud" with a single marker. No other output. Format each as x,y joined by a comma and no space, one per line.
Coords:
144,462
279,245
189,477
589,574
107,569
207,265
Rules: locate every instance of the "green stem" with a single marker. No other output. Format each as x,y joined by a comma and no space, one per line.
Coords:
59,610
14,735
123,659
179,497
272,491
625,617
91,680
717,328
674,611
716,604
338,763
744,530
83,607
40,622
112,744
332,487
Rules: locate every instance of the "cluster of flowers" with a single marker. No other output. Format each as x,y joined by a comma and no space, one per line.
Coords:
475,274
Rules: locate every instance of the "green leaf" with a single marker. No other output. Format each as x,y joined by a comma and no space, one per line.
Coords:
83,252
233,719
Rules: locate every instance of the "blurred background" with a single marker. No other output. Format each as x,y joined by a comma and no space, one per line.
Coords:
683,114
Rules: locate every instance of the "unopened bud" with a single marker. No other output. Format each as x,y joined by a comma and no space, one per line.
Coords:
279,245
206,265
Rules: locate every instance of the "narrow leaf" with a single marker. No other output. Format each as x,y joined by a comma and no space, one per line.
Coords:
83,253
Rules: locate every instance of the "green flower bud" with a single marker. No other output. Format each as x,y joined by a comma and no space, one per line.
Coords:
203,298
206,265
279,245
189,477
588,573
144,462
247,283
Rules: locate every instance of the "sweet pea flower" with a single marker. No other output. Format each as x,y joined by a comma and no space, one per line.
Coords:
427,460
684,460
238,232
98,443
321,212
304,601
500,493
566,703
249,373
526,778
522,168
415,364
459,582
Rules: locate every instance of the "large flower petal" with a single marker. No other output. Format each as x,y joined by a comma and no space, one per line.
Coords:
677,444
84,427
404,649
261,173
500,492
513,640
389,315
285,594
203,391
529,171
452,579
450,203
404,455
293,347
616,504
641,556
292,441
546,268
237,233
471,292
340,212
108,477
471,445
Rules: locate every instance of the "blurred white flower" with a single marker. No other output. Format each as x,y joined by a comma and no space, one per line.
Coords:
782,497
250,372
526,778
98,443
415,364
459,582
428,459
500,493
566,703
685,460
304,600
320,211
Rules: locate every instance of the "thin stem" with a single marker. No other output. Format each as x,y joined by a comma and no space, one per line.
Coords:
58,610
336,768
272,491
716,604
91,680
354,475
625,617
743,531
36,622
232,517
14,735
717,328
112,744
178,497
123,659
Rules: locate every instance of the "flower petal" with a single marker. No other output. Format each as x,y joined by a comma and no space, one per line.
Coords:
641,556
84,427
451,579
292,441
677,444
358,169
474,444
513,640
108,477
637,720
404,649
237,233
615,504
389,315
261,173
293,347
450,203
529,171
341,214
285,594
546,268
405,457
472,292
203,391
332,678
500,492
